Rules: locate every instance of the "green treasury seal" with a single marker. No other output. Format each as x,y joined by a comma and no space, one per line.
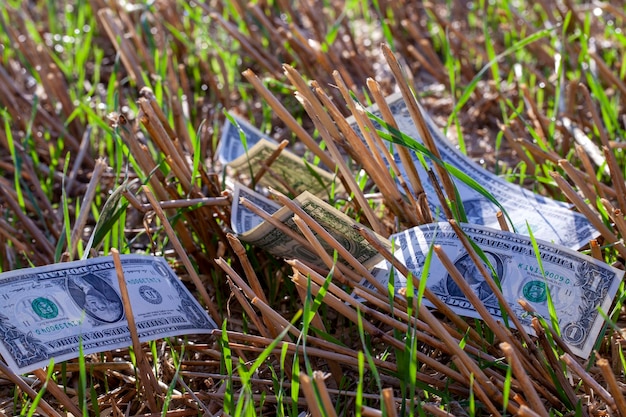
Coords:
45,308
535,291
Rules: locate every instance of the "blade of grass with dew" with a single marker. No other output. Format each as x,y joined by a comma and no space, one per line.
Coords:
84,46
230,10
604,213
117,237
160,68
227,64
420,409
92,117
28,137
52,8
283,356
485,332
36,36
619,303
310,312
30,148
266,118
73,49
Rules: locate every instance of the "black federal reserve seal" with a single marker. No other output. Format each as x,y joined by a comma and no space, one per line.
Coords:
150,294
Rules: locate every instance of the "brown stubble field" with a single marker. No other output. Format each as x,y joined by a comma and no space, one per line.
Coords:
125,102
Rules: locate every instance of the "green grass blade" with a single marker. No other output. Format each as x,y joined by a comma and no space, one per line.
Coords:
17,160
400,138
360,384
551,309
33,407
366,351
65,238
227,362
113,209
472,85
82,379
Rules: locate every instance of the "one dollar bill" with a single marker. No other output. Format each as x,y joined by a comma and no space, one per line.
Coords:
287,171
46,313
579,287
255,230
548,219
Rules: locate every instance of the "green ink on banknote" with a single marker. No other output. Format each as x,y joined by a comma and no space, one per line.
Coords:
535,291
45,308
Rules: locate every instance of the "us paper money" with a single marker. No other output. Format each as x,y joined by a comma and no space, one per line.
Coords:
231,146
578,285
244,220
289,169
46,312
254,230
548,219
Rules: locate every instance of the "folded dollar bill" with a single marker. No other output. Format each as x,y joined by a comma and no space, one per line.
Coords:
255,230
47,312
578,285
249,159
549,219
